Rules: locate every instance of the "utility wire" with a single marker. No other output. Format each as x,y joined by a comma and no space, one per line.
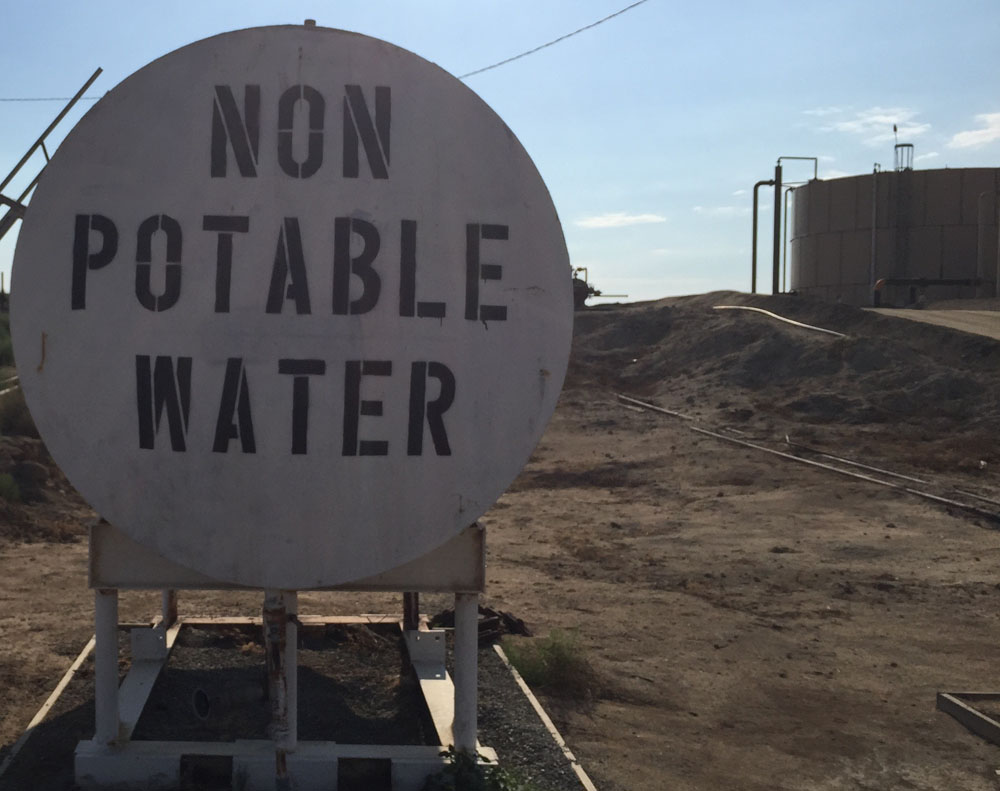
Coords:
461,76
554,41
46,98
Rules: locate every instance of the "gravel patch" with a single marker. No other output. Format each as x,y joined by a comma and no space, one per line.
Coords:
352,689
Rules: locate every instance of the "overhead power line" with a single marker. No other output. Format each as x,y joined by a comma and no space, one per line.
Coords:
46,98
554,41
461,76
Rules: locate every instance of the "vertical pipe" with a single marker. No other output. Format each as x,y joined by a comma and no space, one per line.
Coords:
996,281
275,618
466,670
168,609
874,255
753,251
106,720
776,252
784,244
981,223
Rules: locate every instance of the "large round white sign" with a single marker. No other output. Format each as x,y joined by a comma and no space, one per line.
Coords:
291,306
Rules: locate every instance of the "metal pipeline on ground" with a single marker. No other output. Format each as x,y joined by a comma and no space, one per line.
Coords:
853,463
991,515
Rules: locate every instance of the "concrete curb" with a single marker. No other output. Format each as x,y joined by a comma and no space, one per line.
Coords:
585,781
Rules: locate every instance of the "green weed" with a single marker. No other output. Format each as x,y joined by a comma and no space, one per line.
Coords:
9,490
15,419
6,348
557,663
464,773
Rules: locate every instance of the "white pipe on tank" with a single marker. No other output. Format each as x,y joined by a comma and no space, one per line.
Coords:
876,168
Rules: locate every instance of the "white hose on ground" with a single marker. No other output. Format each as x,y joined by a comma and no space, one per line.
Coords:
780,318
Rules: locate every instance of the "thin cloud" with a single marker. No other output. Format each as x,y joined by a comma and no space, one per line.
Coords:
928,155
739,192
973,138
875,125
618,219
821,112
833,173
721,211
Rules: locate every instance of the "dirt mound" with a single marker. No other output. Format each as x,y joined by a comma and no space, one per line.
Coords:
722,367
37,503
725,366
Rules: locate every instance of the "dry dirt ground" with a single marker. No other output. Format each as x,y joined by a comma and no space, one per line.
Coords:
754,623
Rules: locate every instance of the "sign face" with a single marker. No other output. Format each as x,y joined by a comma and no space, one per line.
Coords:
291,306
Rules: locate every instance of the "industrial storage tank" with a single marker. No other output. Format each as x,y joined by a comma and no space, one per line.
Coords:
896,237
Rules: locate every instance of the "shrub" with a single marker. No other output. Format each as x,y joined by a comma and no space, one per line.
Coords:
15,419
6,351
557,663
6,348
9,490
464,773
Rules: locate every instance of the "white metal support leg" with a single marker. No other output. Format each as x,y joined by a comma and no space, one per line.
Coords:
466,670
106,666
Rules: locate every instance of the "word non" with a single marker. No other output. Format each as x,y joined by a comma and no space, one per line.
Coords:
239,131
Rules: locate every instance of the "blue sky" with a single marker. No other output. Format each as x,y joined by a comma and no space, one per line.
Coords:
650,129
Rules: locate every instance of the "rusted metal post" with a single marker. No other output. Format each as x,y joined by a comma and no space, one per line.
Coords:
466,670
106,721
275,617
411,611
292,665
168,614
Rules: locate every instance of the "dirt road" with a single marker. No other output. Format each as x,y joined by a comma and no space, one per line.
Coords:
980,322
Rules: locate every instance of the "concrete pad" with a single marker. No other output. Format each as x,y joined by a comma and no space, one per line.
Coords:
978,322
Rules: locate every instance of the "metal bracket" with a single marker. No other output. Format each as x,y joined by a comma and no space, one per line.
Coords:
149,644
17,208
426,646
